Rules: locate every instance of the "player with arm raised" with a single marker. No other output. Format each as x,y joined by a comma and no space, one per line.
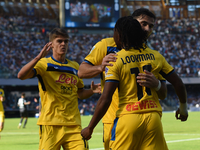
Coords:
59,88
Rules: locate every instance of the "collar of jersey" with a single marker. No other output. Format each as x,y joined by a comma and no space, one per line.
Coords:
132,49
66,62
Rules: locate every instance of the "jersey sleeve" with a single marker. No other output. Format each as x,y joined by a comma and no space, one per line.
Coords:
166,68
112,73
39,67
97,53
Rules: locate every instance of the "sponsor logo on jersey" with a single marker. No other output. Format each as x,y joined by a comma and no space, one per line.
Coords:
147,104
66,89
63,78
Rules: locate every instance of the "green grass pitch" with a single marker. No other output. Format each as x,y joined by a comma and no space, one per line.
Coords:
179,135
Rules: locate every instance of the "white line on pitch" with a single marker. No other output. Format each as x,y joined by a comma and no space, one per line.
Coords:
183,140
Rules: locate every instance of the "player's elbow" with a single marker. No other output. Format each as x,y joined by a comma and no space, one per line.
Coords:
80,75
20,76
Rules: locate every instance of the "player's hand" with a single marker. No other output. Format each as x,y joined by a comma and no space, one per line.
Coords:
147,79
86,133
182,112
45,50
96,88
108,58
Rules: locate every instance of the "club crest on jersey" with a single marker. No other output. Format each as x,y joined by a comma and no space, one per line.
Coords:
92,49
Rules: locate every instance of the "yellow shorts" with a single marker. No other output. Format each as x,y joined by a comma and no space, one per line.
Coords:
2,116
69,137
138,132
106,134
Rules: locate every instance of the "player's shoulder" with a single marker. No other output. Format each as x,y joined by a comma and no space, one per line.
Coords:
72,63
108,41
45,59
152,51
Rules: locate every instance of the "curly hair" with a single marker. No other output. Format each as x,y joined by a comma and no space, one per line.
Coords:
130,33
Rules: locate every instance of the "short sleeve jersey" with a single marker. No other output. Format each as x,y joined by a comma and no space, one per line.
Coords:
95,57
1,95
58,86
21,102
134,98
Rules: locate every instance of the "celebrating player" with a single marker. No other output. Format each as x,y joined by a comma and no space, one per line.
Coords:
138,119
103,53
60,88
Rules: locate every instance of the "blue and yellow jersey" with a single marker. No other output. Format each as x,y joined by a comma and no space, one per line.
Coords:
1,95
95,57
134,98
58,86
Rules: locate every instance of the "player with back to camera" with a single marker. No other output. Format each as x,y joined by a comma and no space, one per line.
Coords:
138,120
99,57
59,88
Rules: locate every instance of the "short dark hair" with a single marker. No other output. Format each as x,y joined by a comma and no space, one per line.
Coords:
143,12
57,32
23,94
130,33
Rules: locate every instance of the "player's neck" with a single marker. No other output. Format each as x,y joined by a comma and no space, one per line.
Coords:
60,58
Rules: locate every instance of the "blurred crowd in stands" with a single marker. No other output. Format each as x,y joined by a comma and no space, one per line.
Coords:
22,38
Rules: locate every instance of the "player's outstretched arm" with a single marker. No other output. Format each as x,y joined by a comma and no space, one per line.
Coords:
101,108
89,71
85,93
148,79
175,80
27,70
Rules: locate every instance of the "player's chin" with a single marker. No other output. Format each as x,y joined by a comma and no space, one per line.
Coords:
62,52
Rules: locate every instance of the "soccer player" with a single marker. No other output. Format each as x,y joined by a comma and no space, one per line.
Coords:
138,119
60,88
102,53
22,103
2,116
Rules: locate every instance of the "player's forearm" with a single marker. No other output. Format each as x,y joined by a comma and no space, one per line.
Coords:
26,71
181,92
89,71
179,87
85,93
162,92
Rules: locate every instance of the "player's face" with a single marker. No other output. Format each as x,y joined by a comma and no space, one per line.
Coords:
147,23
60,45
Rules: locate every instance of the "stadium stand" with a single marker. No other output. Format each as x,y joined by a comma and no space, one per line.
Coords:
24,29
